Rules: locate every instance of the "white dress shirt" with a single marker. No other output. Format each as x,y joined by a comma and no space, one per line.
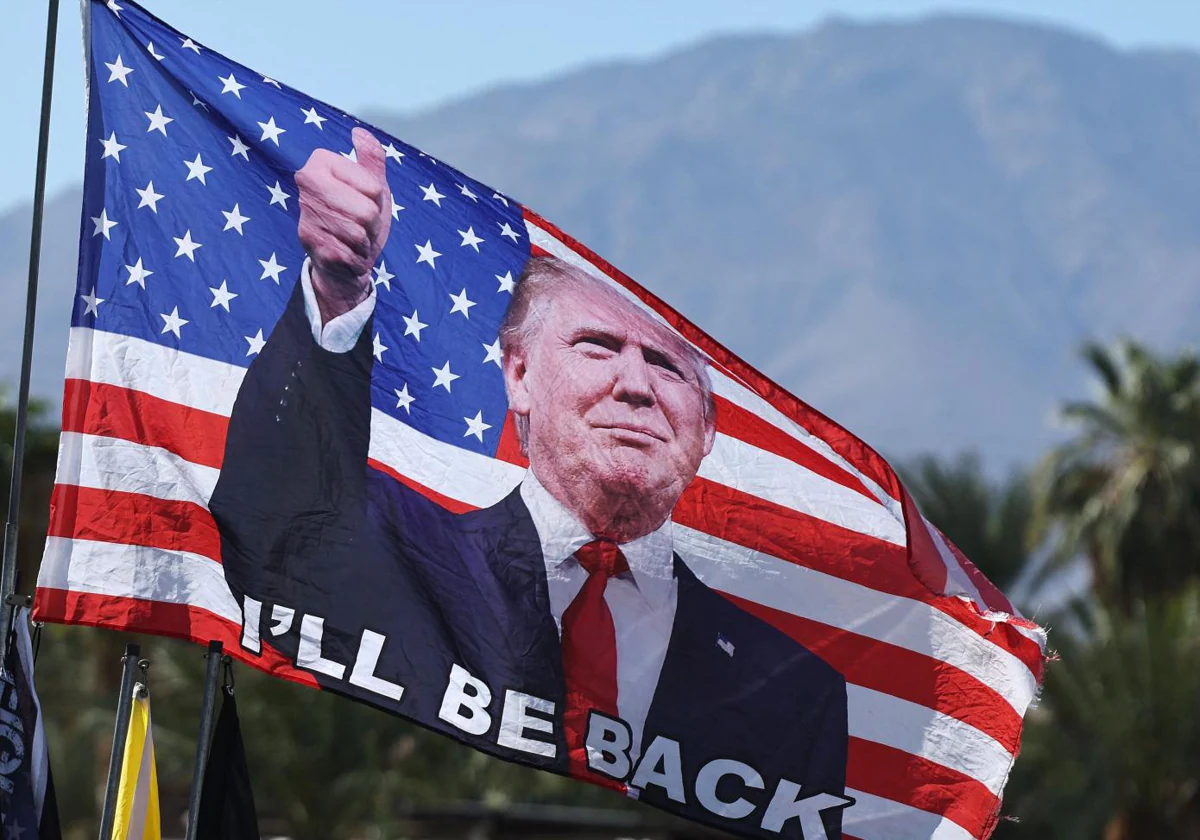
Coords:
642,600
341,333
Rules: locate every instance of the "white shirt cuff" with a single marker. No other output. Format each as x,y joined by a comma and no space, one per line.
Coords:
341,333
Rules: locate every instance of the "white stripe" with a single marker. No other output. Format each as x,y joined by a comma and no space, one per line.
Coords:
768,476
883,819
112,464
105,463
134,571
958,582
458,473
913,728
184,378
785,586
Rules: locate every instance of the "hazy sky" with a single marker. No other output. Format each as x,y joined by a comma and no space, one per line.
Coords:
409,55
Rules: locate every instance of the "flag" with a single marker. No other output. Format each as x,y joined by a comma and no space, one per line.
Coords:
332,478
137,816
27,804
227,802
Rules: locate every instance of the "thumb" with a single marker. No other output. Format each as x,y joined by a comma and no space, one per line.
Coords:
368,151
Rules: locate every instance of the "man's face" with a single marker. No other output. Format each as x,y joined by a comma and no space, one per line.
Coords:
611,396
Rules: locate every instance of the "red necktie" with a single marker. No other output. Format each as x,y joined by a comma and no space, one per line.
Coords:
589,651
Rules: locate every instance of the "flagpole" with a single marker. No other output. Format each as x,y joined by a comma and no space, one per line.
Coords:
120,732
204,740
8,570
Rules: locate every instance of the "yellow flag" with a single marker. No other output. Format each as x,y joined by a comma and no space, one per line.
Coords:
137,797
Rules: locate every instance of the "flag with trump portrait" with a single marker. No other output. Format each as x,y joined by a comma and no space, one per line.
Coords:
386,432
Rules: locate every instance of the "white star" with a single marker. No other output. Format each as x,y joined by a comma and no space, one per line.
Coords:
150,49
267,80
158,121
112,149
197,169
118,72
476,426
257,343
469,238
465,190
351,155
222,295
461,304
493,353
431,194
506,282
189,44
505,230
378,348
137,274
404,399
149,197
270,131
91,303
413,325
427,254
278,196
172,322
395,154
234,219
383,277
396,208
501,198
311,116
239,148
271,269
187,248
444,376
114,7
231,85
103,224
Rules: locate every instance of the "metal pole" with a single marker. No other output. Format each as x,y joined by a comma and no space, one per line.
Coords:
212,678
124,710
8,570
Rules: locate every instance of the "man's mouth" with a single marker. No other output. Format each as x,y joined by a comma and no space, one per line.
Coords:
637,435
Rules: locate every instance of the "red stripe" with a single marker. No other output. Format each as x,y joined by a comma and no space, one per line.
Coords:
452,505
900,672
745,425
903,777
180,621
113,411
714,508
112,516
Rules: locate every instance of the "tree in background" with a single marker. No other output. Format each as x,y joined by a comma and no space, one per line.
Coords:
989,521
1124,492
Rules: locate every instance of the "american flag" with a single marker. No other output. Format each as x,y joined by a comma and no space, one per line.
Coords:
188,255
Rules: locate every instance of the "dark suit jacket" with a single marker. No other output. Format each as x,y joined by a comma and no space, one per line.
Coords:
306,524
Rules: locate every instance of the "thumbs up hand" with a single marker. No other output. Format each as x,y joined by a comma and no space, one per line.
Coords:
345,217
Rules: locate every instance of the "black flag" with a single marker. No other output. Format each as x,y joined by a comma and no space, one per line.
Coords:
226,801
27,806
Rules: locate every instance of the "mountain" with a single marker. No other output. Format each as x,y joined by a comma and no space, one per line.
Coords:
910,225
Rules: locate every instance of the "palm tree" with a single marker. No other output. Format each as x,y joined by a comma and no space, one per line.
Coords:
1125,491
988,520
1111,751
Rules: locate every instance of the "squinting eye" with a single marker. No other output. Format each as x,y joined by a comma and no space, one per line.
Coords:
595,344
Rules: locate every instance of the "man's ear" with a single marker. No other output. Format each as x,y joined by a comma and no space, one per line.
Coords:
710,430
516,370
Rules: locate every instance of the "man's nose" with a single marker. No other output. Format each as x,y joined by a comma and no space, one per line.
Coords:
632,383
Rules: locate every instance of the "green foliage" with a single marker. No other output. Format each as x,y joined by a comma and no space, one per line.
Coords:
1124,492
989,521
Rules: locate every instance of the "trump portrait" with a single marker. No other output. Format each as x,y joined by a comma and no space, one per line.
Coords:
560,627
